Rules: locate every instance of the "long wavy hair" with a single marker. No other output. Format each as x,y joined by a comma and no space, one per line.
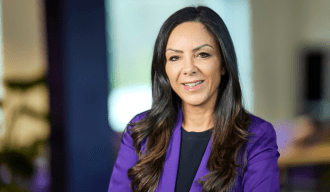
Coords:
230,133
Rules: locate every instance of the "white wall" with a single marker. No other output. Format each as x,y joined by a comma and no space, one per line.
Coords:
280,29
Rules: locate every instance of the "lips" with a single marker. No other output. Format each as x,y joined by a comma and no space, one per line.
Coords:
190,82
192,87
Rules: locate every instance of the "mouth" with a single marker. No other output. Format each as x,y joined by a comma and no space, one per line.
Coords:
193,84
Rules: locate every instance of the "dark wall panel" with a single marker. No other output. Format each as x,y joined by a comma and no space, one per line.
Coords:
82,66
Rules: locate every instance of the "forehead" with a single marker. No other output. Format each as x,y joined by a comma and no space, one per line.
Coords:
190,34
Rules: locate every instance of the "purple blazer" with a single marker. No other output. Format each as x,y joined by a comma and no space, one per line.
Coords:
261,173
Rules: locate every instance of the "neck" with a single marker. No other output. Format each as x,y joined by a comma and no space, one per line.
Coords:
196,118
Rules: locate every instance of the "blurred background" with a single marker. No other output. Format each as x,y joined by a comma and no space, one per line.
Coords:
74,72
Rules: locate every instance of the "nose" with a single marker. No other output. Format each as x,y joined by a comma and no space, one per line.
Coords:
189,67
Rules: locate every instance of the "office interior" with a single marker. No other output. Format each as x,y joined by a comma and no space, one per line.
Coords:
70,68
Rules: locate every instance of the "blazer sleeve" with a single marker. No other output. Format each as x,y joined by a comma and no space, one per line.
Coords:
262,172
126,159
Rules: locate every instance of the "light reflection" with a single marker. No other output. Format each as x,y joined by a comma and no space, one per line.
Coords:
124,103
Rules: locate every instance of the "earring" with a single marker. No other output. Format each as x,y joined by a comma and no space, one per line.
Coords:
223,72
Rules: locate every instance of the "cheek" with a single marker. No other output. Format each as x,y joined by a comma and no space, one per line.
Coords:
216,77
170,77
171,74
218,80
168,73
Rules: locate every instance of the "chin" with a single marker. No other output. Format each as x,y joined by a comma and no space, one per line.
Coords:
194,102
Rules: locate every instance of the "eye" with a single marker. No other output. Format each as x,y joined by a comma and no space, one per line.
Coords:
203,55
174,58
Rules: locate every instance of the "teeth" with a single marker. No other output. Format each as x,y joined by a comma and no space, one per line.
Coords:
193,84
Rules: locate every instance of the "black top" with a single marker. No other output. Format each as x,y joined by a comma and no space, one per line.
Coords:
193,145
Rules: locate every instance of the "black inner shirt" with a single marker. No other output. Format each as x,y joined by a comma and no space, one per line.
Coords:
193,145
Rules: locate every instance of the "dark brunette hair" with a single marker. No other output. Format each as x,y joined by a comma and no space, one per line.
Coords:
231,119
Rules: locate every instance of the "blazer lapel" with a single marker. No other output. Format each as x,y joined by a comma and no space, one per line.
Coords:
168,178
202,169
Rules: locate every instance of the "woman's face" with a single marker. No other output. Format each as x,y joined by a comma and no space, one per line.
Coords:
193,64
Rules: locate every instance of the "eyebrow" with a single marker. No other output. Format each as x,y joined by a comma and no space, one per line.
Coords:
195,49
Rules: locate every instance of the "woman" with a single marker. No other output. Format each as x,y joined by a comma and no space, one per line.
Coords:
197,136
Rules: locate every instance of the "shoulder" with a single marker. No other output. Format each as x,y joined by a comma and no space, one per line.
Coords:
138,117
131,124
260,126
126,136
262,143
260,170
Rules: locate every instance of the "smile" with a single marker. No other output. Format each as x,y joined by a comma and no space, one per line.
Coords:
193,86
